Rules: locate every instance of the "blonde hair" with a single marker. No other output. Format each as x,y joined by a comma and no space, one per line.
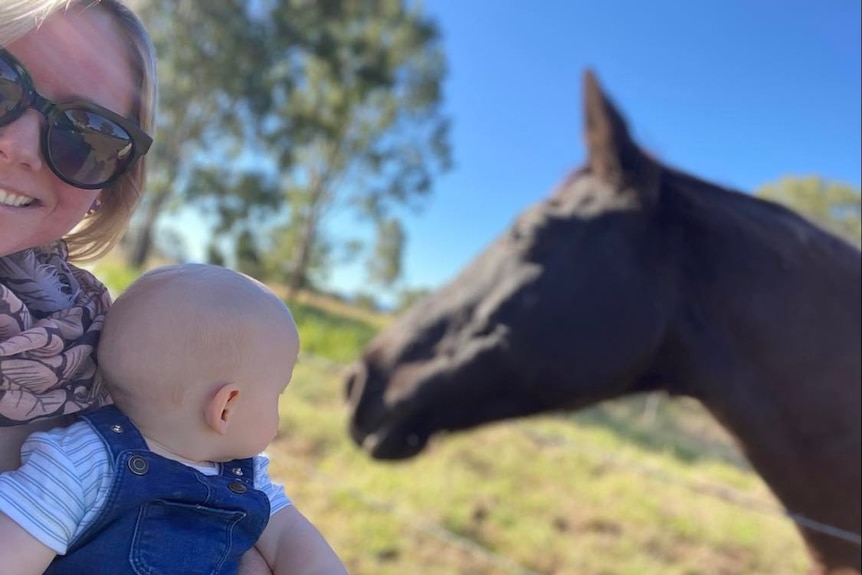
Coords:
17,17
100,231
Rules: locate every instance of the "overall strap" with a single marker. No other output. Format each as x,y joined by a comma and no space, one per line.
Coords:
119,434
117,431
239,469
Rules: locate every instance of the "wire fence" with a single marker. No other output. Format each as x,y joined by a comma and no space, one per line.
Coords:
719,491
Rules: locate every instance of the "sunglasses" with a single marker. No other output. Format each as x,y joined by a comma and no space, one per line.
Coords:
85,145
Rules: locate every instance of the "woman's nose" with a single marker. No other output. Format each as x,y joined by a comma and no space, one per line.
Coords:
19,142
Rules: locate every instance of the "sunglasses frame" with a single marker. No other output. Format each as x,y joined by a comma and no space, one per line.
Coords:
140,140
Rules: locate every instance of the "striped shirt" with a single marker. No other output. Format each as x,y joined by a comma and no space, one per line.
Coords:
64,480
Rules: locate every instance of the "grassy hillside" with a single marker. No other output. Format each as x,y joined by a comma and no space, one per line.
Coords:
548,496
632,487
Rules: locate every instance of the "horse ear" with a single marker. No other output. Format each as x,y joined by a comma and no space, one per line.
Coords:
613,155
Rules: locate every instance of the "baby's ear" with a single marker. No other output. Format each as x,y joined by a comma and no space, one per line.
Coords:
220,409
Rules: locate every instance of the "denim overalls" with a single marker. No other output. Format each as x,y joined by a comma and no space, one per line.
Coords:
162,517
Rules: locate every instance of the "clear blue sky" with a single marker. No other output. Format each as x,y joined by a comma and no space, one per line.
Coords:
740,92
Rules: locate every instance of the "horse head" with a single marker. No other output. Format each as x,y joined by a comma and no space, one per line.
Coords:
578,280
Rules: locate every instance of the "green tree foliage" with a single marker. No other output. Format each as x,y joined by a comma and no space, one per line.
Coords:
207,54
282,240
833,206
384,265
364,300
363,125
277,114
248,259
214,255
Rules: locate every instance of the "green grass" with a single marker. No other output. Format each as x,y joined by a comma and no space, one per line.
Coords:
553,495
326,334
114,274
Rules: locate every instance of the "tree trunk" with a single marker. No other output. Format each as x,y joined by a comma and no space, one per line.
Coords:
143,239
298,278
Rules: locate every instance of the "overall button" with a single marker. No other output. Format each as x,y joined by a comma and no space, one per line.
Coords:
117,428
237,487
138,465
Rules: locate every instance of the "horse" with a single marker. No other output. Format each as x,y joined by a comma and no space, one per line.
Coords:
634,277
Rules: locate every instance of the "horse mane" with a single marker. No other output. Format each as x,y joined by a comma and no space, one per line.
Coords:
765,226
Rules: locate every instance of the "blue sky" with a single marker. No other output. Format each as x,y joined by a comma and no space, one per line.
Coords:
736,91
740,92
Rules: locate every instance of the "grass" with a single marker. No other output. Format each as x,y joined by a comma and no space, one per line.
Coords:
552,495
626,488
114,274
330,335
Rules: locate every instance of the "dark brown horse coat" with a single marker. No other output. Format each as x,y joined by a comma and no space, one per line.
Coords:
636,277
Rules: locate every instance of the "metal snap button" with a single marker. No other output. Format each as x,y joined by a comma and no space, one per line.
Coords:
117,428
236,471
138,465
237,487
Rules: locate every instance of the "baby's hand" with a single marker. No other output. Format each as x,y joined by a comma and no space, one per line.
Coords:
293,546
22,553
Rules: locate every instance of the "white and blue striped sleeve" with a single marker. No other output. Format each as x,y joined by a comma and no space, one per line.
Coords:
57,486
278,499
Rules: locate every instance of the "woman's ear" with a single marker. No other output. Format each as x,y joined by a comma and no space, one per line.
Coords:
220,409
95,206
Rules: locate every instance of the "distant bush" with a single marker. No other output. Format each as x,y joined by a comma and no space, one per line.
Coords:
365,301
115,275
327,334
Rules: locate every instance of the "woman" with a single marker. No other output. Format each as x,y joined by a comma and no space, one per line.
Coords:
77,102
89,176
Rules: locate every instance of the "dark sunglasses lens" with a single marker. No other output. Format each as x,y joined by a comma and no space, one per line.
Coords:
87,148
11,89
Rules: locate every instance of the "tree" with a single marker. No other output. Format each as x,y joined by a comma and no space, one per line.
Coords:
362,127
214,255
208,87
247,257
384,265
833,206
278,113
280,258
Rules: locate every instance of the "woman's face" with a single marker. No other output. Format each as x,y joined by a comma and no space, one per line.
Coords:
71,56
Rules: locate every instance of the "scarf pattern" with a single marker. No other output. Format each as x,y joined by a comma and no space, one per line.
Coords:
51,314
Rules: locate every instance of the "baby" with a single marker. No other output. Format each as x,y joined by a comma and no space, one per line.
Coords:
170,478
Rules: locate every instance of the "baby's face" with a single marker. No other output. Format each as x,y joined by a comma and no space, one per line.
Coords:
257,418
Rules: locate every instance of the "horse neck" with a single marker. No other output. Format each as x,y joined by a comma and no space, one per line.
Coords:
766,334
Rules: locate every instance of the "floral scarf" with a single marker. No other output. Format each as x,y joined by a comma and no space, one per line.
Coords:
51,314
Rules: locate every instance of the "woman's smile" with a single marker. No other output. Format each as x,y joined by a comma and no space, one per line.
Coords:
8,198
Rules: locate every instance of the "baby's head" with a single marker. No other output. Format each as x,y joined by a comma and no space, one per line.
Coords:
201,345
